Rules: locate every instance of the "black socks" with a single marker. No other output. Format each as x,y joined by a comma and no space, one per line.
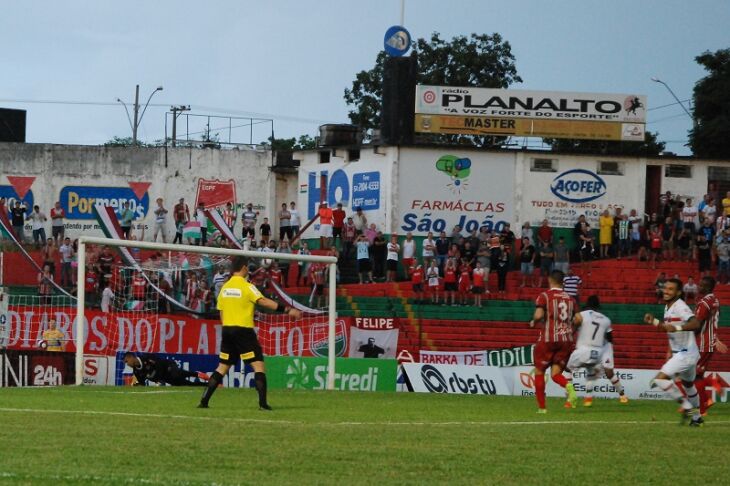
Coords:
213,382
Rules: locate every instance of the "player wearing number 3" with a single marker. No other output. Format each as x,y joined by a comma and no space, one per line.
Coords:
556,309
680,323
593,350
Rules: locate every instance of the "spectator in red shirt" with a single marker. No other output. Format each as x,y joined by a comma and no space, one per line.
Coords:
417,280
348,238
338,222
57,228
464,282
181,212
450,281
545,232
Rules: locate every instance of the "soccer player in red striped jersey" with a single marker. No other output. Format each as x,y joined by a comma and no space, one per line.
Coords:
707,313
555,309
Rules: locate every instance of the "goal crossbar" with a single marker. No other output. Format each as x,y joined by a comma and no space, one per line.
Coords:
331,262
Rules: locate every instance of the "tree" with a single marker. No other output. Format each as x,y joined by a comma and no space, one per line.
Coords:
305,142
478,60
710,136
649,147
128,142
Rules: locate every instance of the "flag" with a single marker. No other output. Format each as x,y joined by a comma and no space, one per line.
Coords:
192,230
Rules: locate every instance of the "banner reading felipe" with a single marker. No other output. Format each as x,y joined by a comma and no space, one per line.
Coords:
484,111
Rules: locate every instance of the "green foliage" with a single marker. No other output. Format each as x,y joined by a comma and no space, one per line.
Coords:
649,147
479,60
305,142
127,142
711,135
96,435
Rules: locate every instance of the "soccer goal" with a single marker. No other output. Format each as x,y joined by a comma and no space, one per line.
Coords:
154,297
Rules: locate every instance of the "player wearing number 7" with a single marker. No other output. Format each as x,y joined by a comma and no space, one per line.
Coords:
236,303
593,350
556,309
680,323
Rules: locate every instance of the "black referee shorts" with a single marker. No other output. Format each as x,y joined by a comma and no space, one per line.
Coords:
239,343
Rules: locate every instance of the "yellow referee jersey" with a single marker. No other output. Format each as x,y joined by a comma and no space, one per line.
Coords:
236,301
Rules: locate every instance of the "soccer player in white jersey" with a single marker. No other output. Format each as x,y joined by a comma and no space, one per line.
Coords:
593,350
680,323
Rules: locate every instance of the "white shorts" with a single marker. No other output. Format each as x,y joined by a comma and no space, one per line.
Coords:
325,230
682,365
584,357
607,357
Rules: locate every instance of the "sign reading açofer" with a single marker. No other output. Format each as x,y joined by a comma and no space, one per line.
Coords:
447,100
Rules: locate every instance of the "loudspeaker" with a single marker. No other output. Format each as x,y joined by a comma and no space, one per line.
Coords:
399,100
12,125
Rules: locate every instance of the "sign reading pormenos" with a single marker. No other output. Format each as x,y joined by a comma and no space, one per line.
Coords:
352,374
445,100
78,201
437,191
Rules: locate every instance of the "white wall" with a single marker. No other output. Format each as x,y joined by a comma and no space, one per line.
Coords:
432,198
368,182
538,201
79,175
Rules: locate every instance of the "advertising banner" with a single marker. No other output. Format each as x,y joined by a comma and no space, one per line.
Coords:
636,384
575,190
517,356
179,333
470,358
529,127
352,374
239,376
367,343
99,370
363,185
78,201
4,318
441,190
36,368
515,103
459,379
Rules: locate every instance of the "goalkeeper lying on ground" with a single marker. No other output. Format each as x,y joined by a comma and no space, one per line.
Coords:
159,370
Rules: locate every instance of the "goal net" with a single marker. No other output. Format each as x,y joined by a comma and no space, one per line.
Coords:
147,297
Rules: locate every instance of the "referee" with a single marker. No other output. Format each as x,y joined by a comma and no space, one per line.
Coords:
236,302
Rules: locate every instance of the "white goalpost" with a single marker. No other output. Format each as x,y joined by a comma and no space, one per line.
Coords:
123,245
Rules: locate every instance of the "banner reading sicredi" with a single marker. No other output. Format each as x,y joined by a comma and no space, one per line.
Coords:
352,374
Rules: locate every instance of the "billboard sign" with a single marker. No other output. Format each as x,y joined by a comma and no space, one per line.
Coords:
442,190
351,374
556,114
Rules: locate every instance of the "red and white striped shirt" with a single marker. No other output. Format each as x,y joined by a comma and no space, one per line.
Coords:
559,309
708,313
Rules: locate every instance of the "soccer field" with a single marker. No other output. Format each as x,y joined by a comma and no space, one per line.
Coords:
93,435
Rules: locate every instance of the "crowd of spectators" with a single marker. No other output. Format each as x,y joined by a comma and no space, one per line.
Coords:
451,268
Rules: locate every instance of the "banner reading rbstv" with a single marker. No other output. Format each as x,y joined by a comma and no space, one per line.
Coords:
351,374
181,334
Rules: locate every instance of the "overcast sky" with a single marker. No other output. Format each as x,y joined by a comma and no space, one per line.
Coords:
290,60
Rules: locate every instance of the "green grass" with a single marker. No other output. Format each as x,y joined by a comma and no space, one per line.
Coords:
94,435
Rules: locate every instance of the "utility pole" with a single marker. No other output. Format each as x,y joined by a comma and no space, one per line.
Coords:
136,112
175,110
